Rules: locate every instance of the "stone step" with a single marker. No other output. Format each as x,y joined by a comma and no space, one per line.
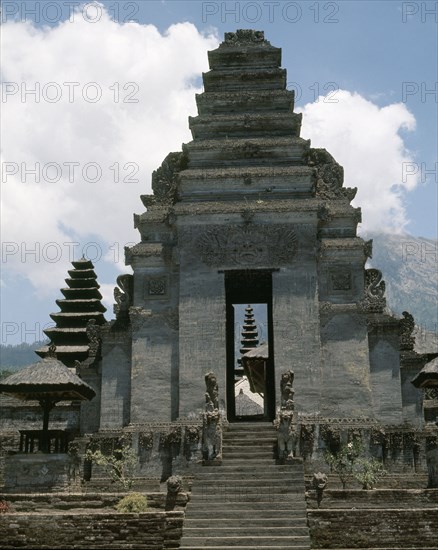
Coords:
270,547
228,493
243,477
250,501
253,466
261,513
250,125
251,541
236,438
246,102
249,426
245,80
229,472
256,522
226,58
249,482
230,457
248,446
245,463
233,182
248,151
245,531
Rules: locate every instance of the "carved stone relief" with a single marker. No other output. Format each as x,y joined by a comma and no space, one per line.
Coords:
155,286
247,245
374,300
407,326
340,280
123,295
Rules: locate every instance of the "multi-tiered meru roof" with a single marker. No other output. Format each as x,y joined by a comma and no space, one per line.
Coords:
249,336
81,303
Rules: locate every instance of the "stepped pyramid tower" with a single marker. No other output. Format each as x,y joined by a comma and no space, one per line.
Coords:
80,305
250,336
248,212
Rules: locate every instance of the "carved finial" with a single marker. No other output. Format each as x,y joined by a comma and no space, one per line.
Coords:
51,353
123,295
374,291
368,248
245,36
407,326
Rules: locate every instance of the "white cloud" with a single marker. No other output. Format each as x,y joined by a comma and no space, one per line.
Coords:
366,140
161,71
158,70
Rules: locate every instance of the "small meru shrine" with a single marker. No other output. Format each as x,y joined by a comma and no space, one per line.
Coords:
247,215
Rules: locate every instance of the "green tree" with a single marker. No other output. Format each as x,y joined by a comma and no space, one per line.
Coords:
342,462
119,465
368,472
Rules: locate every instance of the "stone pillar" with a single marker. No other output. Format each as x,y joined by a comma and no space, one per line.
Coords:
296,333
385,371
201,336
154,349
345,363
116,381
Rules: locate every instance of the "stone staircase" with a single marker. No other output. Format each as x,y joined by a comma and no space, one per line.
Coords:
249,501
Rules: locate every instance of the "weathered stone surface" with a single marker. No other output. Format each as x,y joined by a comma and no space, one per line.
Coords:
152,530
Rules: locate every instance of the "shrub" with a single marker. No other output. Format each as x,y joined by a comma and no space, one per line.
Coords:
368,472
343,461
119,465
132,503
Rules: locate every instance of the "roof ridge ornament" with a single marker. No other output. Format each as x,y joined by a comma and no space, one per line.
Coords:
51,353
245,36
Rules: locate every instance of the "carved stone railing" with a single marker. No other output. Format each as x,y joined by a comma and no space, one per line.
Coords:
51,441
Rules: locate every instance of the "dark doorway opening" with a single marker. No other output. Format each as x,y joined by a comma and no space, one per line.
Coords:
249,328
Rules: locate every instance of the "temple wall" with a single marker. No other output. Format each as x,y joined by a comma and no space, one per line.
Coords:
412,398
152,530
374,528
346,380
154,324
90,410
296,333
151,374
116,386
385,377
201,335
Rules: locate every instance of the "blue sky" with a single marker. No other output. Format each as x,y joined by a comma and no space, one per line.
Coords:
378,60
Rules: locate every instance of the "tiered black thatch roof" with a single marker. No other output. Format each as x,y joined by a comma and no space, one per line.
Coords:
82,303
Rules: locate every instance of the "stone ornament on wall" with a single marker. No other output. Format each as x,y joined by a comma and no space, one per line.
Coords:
340,280
247,245
329,176
374,300
244,36
155,287
123,294
368,248
407,326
